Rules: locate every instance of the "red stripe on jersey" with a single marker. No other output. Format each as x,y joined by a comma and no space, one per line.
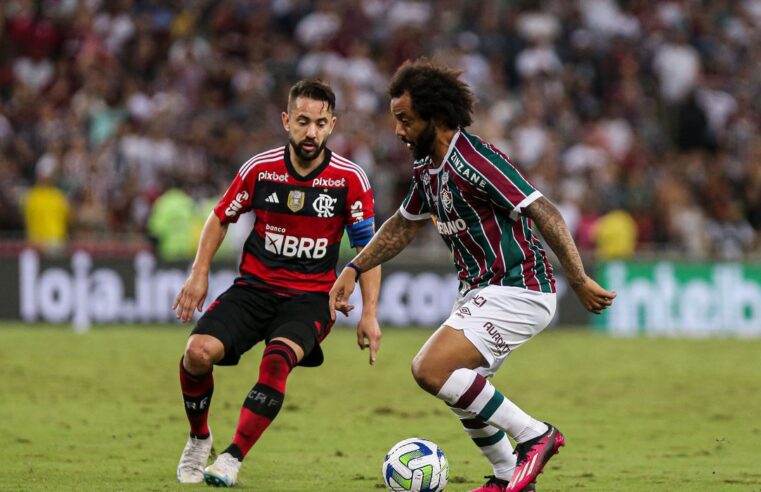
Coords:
494,236
527,267
472,245
546,263
299,219
288,279
492,173
259,158
342,162
415,203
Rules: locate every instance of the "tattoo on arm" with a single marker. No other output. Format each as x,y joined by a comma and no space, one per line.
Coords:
558,237
393,236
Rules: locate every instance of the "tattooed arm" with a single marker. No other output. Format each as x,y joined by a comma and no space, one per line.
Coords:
395,234
558,237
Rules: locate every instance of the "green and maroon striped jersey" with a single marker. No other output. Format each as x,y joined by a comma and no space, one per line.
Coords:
476,197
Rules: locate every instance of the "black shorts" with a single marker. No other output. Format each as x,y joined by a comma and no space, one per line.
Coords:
244,315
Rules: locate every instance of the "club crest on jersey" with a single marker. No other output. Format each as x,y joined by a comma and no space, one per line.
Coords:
323,205
296,200
446,199
426,178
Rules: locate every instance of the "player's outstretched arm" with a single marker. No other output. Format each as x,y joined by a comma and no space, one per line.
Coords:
393,236
558,237
368,329
193,292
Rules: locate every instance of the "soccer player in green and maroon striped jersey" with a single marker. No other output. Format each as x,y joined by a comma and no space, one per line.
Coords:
483,208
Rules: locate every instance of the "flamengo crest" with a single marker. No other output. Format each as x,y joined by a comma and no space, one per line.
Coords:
323,205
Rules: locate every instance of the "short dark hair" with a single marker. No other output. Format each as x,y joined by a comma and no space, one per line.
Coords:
313,89
436,91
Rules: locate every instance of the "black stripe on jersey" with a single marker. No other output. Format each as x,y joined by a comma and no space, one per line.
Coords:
292,253
287,199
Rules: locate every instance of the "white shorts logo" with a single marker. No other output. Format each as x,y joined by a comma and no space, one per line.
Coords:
323,205
295,247
501,319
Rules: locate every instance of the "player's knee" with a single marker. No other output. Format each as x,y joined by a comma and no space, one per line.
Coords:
200,355
426,376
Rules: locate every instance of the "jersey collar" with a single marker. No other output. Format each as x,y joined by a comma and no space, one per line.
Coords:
435,170
292,170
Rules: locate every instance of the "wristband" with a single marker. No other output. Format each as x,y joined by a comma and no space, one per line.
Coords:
356,269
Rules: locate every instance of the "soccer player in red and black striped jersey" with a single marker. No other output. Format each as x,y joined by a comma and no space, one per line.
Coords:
483,209
303,197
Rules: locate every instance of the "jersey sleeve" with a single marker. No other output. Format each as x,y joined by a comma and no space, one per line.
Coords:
507,187
360,212
237,200
414,206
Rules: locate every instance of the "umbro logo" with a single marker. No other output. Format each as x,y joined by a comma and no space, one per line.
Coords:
272,198
462,312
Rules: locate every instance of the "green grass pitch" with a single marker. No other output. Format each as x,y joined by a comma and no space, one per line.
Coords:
102,411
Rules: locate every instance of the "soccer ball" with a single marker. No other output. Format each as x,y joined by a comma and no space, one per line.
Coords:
415,465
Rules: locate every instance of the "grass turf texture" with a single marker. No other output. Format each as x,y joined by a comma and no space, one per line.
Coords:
102,411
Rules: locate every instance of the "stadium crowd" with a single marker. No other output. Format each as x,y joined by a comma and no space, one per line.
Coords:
639,119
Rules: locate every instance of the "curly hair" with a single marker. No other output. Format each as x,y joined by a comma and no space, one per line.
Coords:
312,89
436,91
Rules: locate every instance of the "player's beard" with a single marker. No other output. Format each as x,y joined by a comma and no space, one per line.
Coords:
422,147
303,154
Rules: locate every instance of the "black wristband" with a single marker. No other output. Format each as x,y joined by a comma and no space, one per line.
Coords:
356,269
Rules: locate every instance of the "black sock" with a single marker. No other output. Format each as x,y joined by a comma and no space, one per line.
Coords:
235,451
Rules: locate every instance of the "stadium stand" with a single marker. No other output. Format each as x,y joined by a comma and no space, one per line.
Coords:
649,112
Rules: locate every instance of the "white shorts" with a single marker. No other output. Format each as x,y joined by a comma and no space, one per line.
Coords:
498,319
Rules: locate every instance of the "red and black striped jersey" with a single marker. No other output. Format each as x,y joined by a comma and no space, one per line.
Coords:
299,220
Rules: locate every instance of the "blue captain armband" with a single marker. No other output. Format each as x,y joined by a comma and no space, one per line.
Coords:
361,232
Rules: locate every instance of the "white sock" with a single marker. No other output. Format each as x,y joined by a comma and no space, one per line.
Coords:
467,390
491,441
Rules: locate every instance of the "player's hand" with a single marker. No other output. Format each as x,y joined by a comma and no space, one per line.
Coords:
369,336
191,297
592,296
340,293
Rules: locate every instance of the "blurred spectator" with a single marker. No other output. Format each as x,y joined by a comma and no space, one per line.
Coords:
10,215
46,208
730,234
654,109
171,224
615,235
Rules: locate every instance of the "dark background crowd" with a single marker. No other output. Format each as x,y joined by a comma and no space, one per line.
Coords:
639,119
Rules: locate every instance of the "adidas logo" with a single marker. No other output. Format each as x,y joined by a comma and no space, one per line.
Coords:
272,198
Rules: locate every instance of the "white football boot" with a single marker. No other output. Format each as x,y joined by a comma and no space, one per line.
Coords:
193,460
223,472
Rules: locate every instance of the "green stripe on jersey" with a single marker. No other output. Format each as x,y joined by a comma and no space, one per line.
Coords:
501,163
472,215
